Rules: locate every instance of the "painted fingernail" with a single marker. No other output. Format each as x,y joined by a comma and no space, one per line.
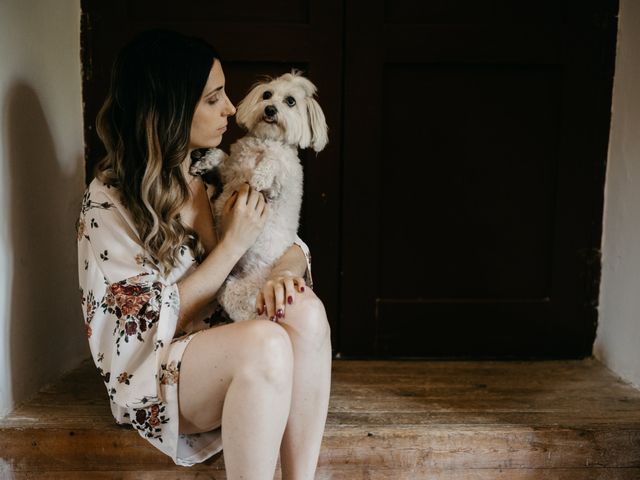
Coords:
302,289
259,311
290,300
279,313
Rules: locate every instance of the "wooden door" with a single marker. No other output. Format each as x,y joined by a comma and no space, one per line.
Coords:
475,140
254,38
457,210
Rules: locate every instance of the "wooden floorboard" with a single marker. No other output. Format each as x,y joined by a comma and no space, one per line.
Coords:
361,473
387,420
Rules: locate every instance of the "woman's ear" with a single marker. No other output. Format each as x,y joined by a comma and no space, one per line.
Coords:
317,125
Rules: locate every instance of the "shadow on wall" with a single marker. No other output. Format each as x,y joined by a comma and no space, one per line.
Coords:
46,334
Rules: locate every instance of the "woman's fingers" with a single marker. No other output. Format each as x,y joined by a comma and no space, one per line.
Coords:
276,294
273,295
230,202
290,290
257,198
248,196
278,290
237,198
260,203
260,308
243,194
300,283
269,301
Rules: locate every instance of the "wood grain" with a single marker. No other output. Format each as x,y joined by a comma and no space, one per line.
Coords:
387,420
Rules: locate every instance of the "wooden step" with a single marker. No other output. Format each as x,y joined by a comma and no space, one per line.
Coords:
387,420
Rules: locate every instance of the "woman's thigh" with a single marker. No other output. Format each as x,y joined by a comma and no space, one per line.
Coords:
214,356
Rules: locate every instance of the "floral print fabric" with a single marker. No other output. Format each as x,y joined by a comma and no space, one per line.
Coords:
130,315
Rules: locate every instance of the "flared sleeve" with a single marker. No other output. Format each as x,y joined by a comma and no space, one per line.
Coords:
130,310
308,279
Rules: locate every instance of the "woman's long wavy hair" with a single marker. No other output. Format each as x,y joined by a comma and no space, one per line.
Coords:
145,125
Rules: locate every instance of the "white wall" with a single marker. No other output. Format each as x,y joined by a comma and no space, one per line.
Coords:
41,182
618,336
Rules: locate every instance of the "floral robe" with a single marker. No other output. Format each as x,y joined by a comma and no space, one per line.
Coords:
131,312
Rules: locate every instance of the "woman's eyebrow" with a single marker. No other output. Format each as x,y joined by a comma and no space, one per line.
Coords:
215,90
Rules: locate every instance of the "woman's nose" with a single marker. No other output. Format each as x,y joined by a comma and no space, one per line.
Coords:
231,110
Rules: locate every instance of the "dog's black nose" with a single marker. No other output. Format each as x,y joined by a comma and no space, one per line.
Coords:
270,111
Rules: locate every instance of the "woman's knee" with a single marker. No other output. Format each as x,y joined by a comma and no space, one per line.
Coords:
308,317
268,353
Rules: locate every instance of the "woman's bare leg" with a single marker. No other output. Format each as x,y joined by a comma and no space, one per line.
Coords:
306,323
239,373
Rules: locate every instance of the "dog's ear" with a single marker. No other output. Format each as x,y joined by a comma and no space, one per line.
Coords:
307,85
317,135
317,125
245,107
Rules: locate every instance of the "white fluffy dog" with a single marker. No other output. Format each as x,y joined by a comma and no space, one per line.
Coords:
279,115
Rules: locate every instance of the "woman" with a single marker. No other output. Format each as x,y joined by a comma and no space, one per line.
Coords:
150,264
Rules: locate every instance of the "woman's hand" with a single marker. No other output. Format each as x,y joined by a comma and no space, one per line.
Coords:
243,218
279,287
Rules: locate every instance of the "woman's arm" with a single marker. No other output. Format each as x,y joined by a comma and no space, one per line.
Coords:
293,261
243,218
200,287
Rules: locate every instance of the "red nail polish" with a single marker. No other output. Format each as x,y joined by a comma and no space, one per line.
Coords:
259,310
290,299
302,289
280,313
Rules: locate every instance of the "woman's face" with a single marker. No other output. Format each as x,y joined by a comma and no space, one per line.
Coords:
210,118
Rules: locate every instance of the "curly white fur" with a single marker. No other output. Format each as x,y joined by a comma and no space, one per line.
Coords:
279,115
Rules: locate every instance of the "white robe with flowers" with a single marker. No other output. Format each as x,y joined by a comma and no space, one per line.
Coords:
131,312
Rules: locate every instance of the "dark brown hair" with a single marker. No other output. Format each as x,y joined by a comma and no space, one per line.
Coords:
145,124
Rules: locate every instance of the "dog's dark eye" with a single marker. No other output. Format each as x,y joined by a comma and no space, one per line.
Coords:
290,101
266,95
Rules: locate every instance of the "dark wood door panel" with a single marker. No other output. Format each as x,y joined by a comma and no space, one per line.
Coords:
475,144
247,11
411,328
474,152
471,11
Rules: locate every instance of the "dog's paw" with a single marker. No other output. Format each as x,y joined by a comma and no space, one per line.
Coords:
270,194
214,156
274,191
206,161
260,182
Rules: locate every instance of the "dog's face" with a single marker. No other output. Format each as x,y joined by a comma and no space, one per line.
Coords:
284,109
